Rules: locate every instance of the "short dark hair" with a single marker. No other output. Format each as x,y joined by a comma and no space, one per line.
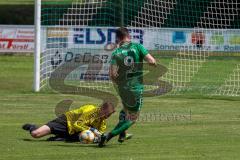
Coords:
121,33
106,109
107,105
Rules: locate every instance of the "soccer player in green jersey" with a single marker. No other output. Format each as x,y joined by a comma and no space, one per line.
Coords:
126,72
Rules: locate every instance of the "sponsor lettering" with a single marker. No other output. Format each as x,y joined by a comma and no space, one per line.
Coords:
101,36
87,57
2,45
17,39
16,44
229,48
179,47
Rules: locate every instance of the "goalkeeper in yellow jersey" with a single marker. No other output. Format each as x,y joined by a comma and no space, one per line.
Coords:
69,125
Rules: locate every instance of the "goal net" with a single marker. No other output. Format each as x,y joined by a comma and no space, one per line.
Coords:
198,41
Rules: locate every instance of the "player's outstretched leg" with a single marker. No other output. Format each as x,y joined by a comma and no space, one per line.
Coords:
120,130
124,136
37,132
123,125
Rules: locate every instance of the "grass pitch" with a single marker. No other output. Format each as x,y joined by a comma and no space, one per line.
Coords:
170,128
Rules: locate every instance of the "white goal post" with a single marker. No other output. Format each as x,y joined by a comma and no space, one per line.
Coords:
37,49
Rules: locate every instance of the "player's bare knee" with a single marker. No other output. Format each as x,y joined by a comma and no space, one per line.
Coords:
35,134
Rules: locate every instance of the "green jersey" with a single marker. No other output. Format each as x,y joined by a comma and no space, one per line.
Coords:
129,57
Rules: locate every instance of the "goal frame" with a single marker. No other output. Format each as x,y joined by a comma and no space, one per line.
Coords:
37,46
191,54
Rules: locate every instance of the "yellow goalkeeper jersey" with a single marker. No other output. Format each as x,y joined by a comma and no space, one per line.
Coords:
84,118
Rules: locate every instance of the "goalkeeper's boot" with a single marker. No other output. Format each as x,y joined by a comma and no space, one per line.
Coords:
104,139
124,136
29,127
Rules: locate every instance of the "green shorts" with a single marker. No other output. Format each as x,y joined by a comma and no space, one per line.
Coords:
131,99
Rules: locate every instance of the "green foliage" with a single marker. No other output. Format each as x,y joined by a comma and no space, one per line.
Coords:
17,14
15,2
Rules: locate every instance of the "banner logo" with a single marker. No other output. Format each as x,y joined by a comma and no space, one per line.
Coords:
217,39
179,37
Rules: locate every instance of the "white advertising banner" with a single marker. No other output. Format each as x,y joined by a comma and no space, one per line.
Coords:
87,37
170,39
21,38
16,39
193,39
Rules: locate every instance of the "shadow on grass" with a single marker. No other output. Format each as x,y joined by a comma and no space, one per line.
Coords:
34,140
67,144
45,140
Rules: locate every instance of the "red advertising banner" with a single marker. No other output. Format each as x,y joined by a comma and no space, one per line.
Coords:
16,39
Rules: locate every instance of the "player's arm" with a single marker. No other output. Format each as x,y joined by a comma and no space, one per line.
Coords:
113,72
103,127
99,130
113,69
81,125
150,59
86,121
82,122
147,56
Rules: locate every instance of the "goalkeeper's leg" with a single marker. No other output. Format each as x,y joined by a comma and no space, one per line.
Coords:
57,127
37,132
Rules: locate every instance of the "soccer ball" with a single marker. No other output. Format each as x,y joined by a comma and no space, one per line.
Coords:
86,137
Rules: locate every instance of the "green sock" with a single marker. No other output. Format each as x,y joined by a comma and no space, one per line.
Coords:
121,127
121,118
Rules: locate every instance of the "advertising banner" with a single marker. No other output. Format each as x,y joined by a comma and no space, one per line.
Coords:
21,38
192,40
16,39
169,39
